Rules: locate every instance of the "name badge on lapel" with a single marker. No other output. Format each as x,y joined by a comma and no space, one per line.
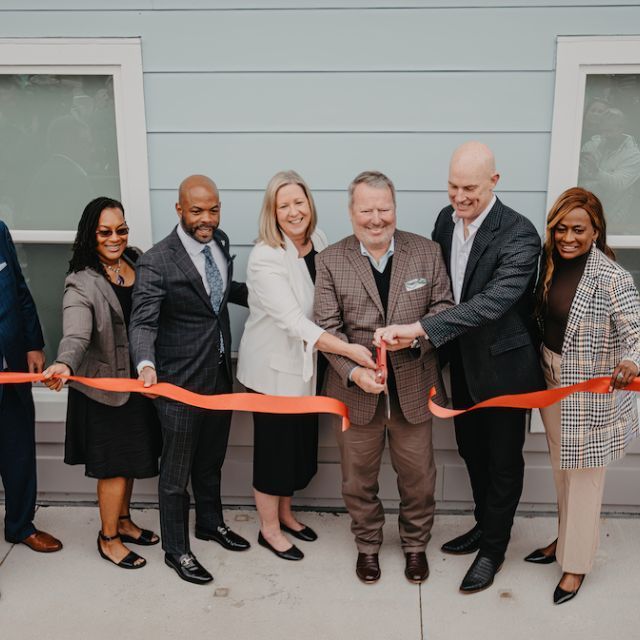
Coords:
416,283
2,265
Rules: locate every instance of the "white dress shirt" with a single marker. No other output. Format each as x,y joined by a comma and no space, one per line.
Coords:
461,248
194,249
379,265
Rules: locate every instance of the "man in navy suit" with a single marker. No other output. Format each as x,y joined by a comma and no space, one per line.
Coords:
21,345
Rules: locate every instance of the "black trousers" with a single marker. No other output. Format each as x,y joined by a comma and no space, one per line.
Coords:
490,442
17,463
194,447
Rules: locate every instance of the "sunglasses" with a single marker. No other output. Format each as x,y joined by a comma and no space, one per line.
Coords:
106,233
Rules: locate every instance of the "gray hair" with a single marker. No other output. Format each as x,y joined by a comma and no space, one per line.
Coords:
374,179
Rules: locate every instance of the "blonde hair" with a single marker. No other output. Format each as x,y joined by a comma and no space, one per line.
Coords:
571,199
374,179
268,230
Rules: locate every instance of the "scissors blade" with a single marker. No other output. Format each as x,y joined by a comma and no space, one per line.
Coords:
387,403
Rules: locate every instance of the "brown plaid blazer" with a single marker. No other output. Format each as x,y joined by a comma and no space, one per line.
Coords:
347,305
603,328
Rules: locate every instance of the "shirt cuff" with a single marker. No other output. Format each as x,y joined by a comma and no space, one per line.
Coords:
143,364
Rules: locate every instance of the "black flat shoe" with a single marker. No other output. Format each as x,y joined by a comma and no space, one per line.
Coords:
468,542
188,568
480,575
307,533
292,553
145,539
225,537
128,562
539,557
560,595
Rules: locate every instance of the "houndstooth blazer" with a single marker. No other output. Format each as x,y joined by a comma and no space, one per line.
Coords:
347,304
603,328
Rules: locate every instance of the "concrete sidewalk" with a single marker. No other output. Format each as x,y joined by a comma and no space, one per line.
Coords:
74,594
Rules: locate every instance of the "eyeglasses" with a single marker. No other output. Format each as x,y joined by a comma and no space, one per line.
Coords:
107,233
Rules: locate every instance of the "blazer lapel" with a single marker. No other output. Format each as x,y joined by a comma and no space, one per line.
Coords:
362,267
483,238
105,289
185,264
401,259
582,298
445,242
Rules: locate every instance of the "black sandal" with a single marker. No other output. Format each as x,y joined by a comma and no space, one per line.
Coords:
145,539
128,562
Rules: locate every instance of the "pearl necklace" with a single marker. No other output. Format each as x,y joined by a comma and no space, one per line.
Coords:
116,270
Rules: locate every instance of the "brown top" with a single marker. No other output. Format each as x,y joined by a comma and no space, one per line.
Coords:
566,277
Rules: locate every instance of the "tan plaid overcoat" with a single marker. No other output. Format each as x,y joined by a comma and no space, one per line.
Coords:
347,304
603,328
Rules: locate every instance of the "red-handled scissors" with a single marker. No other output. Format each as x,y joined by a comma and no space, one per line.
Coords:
382,372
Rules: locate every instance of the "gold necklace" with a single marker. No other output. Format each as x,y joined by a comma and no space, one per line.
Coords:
116,270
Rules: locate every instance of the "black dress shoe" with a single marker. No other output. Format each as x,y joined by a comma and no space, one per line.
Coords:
480,575
466,543
224,536
368,568
307,533
560,595
292,553
416,568
188,568
538,556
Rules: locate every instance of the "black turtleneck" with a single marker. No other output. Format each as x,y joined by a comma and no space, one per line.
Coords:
566,277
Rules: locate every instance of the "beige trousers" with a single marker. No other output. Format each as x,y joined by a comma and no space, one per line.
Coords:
411,450
579,490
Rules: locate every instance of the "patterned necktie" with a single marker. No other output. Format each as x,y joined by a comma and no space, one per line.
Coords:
214,279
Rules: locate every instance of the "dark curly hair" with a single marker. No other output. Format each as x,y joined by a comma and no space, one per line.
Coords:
84,247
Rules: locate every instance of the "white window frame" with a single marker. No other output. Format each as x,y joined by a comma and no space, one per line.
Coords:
576,58
117,57
122,59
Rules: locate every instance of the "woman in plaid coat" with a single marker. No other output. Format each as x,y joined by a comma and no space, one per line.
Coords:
589,310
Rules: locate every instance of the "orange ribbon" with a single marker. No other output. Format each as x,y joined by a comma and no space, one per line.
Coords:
222,402
381,361
532,400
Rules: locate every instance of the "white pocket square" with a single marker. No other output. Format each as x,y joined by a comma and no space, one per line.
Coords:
2,265
416,283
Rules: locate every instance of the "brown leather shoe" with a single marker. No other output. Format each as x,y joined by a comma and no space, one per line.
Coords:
367,567
42,542
416,568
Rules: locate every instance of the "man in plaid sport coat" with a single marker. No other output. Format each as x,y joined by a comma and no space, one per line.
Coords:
491,253
178,335
376,276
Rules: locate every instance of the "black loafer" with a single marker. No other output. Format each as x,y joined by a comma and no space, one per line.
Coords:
188,568
307,533
292,553
466,543
538,556
560,595
480,575
224,536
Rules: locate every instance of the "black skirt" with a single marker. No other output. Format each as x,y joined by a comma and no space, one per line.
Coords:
285,452
112,441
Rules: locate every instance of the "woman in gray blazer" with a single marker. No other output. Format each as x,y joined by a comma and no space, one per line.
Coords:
589,311
115,435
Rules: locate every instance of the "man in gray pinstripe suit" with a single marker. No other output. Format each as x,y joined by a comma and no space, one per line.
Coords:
180,333
491,253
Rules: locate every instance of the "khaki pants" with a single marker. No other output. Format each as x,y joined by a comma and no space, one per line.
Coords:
411,449
579,490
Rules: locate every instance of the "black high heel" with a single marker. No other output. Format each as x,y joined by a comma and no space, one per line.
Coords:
539,557
128,562
560,595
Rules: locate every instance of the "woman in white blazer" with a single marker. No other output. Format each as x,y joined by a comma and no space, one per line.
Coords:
589,310
277,355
